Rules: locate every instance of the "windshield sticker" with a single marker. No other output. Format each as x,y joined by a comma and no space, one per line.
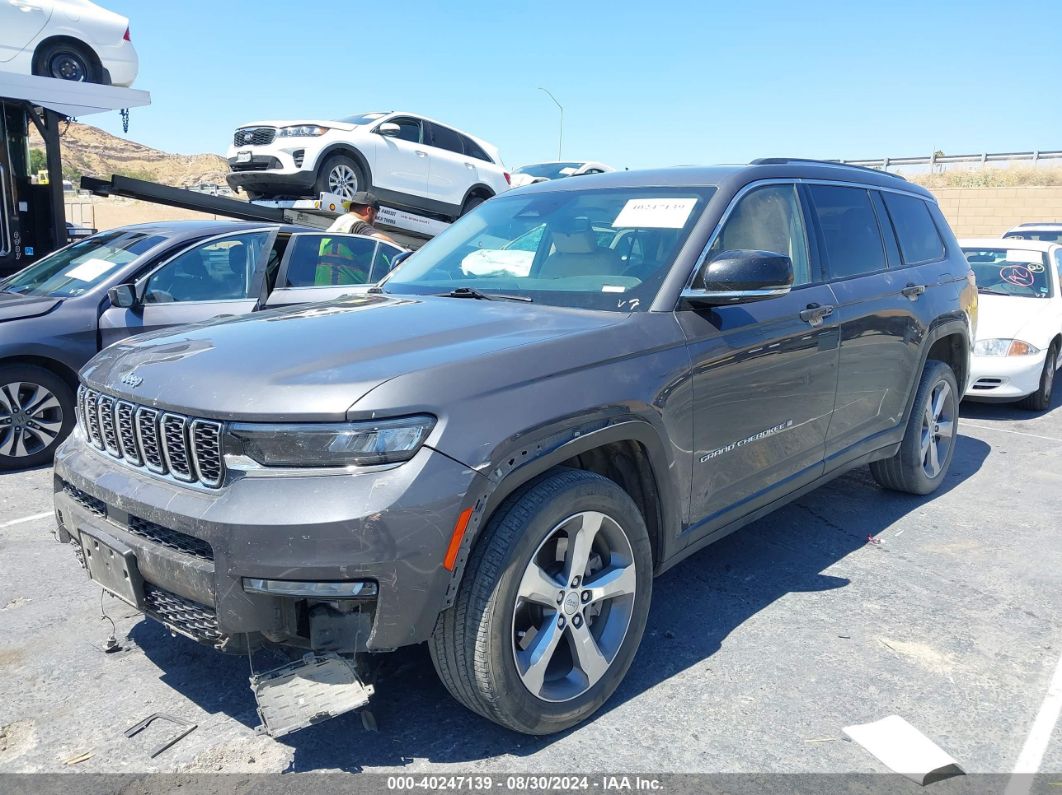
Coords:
654,213
1017,275
1021,255
782,426
90,269
613,288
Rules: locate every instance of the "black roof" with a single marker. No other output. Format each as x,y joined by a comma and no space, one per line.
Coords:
703,176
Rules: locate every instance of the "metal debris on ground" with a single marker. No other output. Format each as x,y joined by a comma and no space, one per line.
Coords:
132,730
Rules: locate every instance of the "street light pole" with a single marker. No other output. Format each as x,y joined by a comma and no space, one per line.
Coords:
560,140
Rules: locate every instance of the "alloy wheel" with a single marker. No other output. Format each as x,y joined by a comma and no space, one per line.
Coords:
573,606
343,181
938,428
31,418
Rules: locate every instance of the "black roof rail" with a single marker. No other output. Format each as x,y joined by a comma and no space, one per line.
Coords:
781,161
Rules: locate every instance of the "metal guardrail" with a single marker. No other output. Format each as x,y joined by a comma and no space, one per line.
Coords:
940,160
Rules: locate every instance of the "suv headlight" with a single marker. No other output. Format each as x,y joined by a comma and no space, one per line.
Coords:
1004,348
331,444
301,131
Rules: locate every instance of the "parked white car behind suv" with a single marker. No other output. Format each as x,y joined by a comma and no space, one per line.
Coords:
1019,325
66,39
409,161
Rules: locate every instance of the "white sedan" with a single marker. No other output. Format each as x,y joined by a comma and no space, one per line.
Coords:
66,39
1019,320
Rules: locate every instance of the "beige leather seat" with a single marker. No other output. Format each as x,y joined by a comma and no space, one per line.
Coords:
577,254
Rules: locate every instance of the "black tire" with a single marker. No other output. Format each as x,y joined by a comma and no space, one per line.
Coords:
23,435
909,470
343,165
1040,400
474,642
471,203
67,61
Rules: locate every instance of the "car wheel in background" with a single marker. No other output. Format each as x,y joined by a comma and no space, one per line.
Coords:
66,61
341,175
928,445
36,414
1041,398
552,605
471,203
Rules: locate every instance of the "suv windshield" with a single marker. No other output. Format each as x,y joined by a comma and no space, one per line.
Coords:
1010,271
363,118
549,170
593,249
77,268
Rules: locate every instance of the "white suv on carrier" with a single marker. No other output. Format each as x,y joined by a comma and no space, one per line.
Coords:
409,161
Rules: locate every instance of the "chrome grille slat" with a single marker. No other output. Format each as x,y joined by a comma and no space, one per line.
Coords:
105,407
123,416
174,436
185,448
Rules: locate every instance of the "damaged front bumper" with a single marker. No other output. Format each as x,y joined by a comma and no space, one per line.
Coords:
204,558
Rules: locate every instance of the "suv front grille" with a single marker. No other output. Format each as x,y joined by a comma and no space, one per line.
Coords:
254,136
164,443
87,501
197,621
174,539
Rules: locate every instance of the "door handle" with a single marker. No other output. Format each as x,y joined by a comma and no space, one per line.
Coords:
470,166
912,290
421,153
815,313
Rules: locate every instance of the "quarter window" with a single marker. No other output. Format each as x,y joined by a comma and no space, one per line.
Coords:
918,236
472,149
220,270
768,219
850,233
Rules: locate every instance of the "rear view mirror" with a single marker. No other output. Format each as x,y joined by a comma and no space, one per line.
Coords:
741,276
122,296
389,128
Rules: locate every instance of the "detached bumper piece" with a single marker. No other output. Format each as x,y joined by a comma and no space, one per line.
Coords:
307,691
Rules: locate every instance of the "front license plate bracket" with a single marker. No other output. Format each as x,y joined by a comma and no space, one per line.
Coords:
112,565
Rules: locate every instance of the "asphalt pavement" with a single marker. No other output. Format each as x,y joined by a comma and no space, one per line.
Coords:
848,605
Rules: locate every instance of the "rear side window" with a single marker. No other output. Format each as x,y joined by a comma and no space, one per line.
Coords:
472,149
917,234
445,138
849,228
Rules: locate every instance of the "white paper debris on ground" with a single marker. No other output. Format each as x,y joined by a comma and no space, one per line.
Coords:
904,749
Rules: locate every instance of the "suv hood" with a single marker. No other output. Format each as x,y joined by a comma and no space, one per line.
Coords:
1035,320
336,125
312,363
16,307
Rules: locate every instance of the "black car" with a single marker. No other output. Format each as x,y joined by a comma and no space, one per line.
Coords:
570,390
59,312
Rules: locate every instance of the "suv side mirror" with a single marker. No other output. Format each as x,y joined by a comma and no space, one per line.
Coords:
389,128
123,296
739,277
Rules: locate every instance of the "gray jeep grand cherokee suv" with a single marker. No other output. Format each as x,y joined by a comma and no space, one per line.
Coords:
573,388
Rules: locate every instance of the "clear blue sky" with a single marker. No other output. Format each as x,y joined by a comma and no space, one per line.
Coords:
660,82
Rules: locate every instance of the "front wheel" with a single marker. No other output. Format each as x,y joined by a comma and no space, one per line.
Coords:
1041,398
552,606
36,414
928,445
341,175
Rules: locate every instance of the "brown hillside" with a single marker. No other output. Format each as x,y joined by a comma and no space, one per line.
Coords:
90,151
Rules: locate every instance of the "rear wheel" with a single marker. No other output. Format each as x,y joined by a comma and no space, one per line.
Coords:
928,443
67,61
471,203
36,414
341,175
1041,398
552,606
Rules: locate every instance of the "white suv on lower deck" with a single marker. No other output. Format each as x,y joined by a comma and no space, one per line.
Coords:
409,161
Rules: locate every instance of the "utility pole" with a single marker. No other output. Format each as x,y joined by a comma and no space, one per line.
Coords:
560,140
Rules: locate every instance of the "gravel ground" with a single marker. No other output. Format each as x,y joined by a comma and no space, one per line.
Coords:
759,649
